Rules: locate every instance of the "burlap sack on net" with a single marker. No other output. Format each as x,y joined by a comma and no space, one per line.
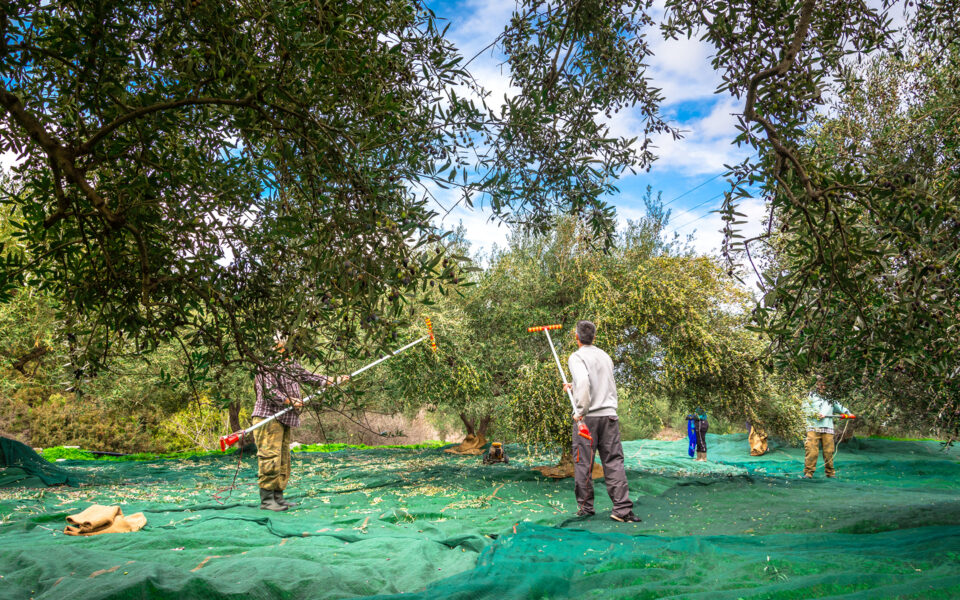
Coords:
97,519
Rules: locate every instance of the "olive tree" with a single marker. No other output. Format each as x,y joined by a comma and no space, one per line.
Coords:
892,138
212,171
857,261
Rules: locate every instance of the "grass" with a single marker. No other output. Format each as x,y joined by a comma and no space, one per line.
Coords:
336,447
59,452
902,439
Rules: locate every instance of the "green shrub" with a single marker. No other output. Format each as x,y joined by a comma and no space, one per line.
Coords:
643,416
199,425
64,420
58,452
538,410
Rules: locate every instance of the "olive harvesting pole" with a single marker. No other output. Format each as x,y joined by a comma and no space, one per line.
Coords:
582,429
227,441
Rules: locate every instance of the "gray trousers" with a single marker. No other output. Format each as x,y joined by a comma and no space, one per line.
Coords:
605,432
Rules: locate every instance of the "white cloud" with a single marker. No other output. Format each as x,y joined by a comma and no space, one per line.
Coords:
475,26
494,78
707,228
477,23
705,147
8,160
481,232
681,69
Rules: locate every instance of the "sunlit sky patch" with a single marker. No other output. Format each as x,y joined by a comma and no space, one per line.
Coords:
681,69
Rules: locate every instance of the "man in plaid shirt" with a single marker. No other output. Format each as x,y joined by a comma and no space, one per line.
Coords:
277,389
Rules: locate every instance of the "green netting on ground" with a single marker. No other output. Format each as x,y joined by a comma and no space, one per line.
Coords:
426,524
20,465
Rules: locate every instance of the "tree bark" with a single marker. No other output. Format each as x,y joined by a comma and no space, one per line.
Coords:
484,424
475,440
468,424
234,415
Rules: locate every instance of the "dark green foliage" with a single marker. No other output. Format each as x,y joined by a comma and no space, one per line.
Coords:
213,172
888,336
859,261
202,174
551,149
218,171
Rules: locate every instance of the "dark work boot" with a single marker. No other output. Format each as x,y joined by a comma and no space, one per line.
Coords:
267,501
278,496
627,518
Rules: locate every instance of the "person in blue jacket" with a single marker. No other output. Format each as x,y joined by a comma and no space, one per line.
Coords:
700,427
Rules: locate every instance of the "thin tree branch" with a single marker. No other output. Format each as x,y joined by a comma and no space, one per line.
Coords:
57,153
749,112
87,147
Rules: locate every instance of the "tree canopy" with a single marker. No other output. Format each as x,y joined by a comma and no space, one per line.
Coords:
857,262
212,171
674,324
217,170
890,145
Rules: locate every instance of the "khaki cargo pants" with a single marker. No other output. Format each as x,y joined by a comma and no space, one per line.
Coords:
812,449
273,455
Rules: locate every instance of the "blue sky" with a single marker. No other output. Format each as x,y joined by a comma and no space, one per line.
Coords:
682,70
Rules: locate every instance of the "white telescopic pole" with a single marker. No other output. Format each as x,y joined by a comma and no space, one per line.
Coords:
383,358
250,429
563,375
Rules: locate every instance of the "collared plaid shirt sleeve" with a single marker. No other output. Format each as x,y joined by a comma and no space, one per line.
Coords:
274,388
305,376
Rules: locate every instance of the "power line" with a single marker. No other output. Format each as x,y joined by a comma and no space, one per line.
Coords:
704,215
693,189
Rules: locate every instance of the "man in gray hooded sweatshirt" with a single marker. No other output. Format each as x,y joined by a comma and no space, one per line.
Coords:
595,395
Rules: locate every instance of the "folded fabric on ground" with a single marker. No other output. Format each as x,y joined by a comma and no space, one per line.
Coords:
758,442
97,519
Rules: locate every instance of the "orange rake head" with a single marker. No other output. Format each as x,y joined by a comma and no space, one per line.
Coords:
543,328
433,340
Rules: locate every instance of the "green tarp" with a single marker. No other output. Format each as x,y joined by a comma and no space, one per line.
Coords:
20,465
425,524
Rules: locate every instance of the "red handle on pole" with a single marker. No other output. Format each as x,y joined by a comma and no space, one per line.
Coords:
543,328
583,431
228,440
845,416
